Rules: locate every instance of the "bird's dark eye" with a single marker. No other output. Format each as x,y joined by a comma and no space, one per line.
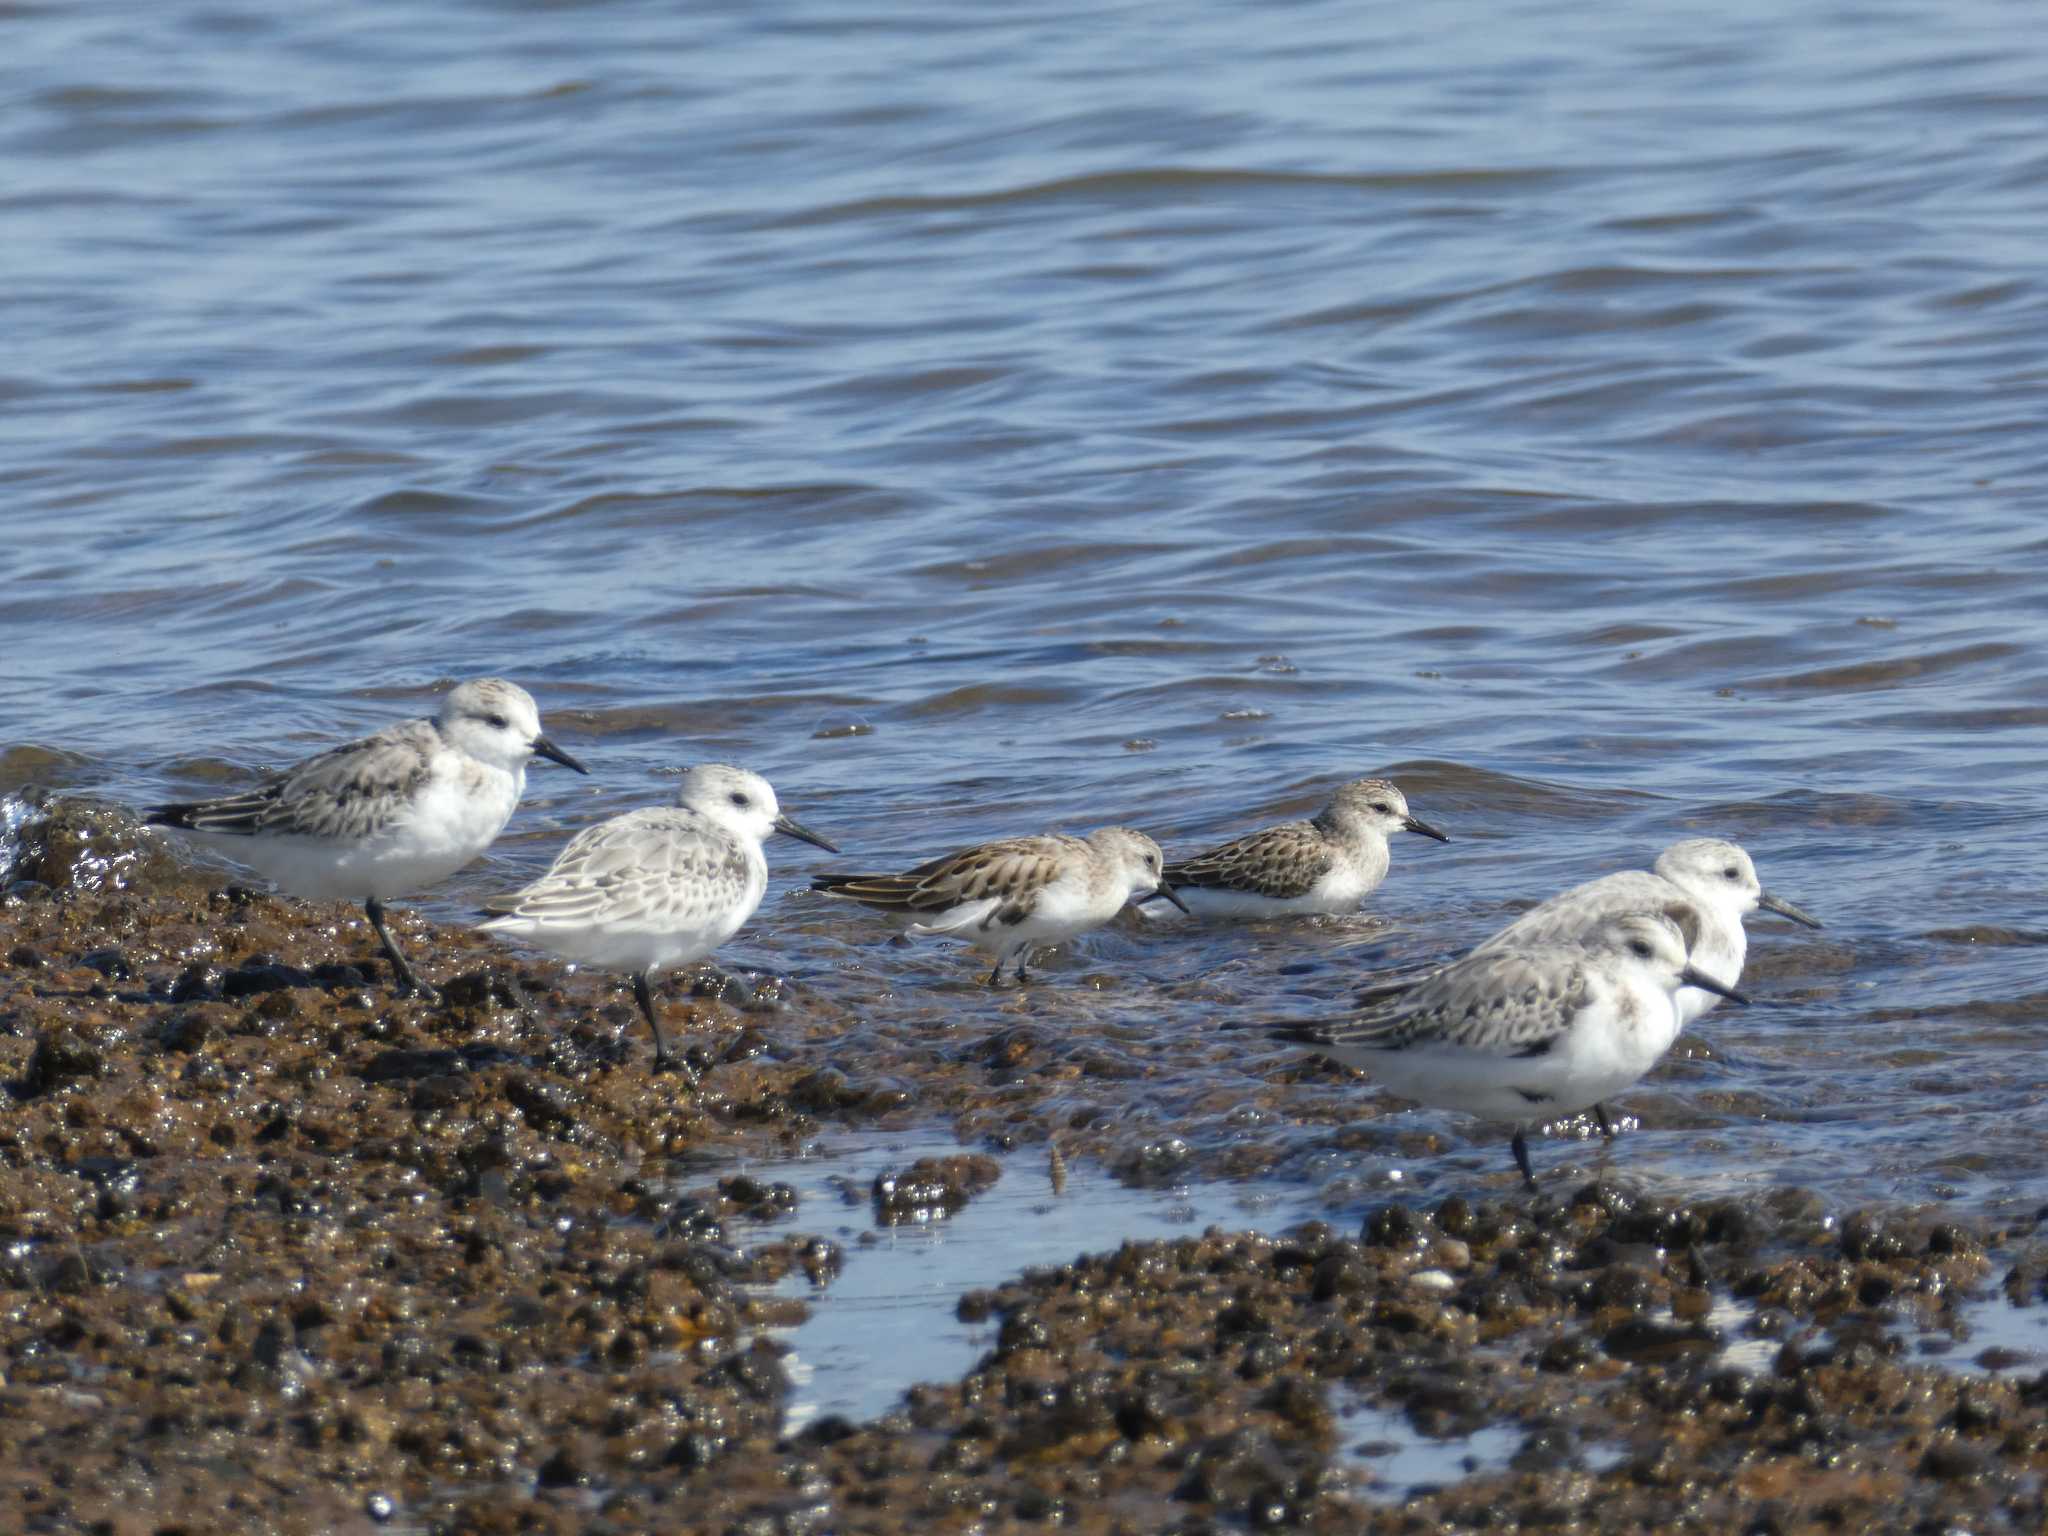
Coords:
1731,873
1383,808
739,799
496,722
1638,948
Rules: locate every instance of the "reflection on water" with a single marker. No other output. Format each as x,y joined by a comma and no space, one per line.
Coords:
890,1319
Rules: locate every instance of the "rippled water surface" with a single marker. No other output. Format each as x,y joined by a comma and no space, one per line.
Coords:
1619,423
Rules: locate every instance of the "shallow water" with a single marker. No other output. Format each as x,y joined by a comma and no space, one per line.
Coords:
1616,425
890,1319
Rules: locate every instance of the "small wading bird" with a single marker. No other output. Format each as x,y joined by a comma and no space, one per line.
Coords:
1529,1034
386,815
1007,897
1717,880
656,888
1326,865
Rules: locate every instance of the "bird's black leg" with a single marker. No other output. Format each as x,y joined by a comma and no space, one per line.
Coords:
1606,1125
1023,954
995,977
1521,1150
645,997
407,982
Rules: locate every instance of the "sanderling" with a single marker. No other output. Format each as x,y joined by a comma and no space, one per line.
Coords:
1707,884
656,888
1009,896
388,814
1716,876
1531,1033
1329,864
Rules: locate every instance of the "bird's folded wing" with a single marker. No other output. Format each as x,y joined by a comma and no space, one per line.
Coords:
661,867
993,876
1504,1002
347,792
1572,914
1280,862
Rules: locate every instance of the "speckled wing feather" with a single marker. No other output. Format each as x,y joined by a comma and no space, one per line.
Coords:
1583,909
347,793
1509,1002
1010,873
658,867
1280,862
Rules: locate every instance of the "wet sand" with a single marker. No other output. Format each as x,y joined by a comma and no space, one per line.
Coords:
282,1253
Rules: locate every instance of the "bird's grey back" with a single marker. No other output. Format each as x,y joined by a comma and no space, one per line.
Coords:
346,793
1511,1001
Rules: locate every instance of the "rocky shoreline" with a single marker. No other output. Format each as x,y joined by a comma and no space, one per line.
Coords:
282,1253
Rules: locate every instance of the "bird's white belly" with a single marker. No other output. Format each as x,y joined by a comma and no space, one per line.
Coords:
1063,909
1607,1050
1327,897
1720,953
638,938
444,828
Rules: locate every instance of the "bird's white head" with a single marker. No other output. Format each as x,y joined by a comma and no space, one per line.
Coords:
1655,943
496,722
1133,858
1715,872
741,801
1377,806
1721,875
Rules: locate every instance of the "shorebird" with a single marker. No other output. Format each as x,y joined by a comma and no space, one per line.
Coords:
656,888
1530,1033
1328,864
1009,896
392,813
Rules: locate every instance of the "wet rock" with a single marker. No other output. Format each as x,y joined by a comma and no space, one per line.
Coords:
561,1470
1007,1050
1154,1163
546,1104
110,963
824,1091
757,1372
1953,1460
1867,1236
1394,1226
694,1219
77,847
1340,1274
1945,1237
188,1029
486,987
756,1200
821,1260
409,1065
444,1091
198,982
61,1056
1644,1339
254,977
932,1187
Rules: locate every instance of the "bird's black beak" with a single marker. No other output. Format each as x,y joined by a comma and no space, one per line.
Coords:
789,828
1784,908
1416,824
540,746
1169,893
1692,976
